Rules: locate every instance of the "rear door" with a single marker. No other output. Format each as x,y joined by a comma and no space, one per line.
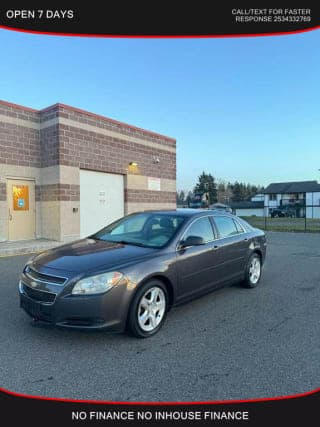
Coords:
231,247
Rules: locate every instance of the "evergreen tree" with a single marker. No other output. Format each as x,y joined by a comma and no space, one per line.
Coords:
237,192
180,195
189,197
206,184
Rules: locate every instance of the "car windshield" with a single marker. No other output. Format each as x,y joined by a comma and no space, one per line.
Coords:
152,230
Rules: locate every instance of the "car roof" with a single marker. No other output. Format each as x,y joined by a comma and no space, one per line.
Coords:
188,212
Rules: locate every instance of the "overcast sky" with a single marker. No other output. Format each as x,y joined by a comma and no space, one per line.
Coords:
245,109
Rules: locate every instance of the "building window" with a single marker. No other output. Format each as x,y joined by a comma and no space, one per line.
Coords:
272,197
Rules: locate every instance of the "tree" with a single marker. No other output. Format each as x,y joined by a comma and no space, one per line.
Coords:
238,192
242,191
224,192
180,197
189,197
206,184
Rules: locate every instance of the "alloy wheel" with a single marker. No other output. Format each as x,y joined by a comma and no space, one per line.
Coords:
255,270
151,309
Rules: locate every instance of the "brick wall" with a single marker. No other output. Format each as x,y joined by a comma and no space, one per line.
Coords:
49,113
19,112
57,192
147,196
88,149
49,142
91,150
101,122
19,145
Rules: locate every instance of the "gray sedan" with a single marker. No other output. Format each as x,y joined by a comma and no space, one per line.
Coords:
129,274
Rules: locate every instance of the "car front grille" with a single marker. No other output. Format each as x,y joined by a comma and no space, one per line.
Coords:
44,278
38,295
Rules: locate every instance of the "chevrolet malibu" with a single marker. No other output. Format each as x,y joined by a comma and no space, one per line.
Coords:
129,274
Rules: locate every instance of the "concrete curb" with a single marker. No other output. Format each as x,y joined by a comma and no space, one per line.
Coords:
22,248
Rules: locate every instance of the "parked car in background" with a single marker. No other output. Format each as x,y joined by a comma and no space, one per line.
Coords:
129,274
282,213
221,207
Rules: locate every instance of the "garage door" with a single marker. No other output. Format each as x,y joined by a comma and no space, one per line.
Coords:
101,200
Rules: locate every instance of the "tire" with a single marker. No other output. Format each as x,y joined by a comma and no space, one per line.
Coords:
148,309
253,271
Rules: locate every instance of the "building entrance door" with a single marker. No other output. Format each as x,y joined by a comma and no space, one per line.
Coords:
21,204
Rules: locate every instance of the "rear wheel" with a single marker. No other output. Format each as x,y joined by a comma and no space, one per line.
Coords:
253,271
148,309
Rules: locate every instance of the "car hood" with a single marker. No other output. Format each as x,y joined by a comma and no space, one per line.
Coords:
90,254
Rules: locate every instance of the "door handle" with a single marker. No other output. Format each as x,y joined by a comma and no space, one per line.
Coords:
246,239
215,247
10,215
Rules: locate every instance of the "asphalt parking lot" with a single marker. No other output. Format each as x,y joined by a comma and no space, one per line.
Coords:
235,343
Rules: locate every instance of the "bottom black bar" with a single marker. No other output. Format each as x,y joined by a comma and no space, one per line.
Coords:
302,410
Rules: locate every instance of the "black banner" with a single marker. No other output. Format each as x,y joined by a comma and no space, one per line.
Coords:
296,410
119,19
156,20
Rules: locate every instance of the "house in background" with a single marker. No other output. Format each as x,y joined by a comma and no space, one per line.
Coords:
301,197
258,198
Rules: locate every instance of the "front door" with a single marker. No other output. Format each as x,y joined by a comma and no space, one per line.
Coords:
21,203
196,265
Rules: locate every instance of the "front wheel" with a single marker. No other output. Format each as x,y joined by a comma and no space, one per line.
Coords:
253,271
148,309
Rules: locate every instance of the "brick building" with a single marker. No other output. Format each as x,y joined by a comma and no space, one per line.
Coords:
65,172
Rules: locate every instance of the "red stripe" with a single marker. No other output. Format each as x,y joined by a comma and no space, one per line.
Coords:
182,36
209,402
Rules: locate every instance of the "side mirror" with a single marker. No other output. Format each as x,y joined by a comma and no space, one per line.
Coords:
192,241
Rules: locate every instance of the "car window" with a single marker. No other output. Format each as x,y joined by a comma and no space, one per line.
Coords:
226,226
239,227
136,223
201,227
143,229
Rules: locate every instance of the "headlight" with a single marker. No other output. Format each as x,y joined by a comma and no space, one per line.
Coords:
97,284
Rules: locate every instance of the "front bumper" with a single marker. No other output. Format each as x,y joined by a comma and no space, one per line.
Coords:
57,306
